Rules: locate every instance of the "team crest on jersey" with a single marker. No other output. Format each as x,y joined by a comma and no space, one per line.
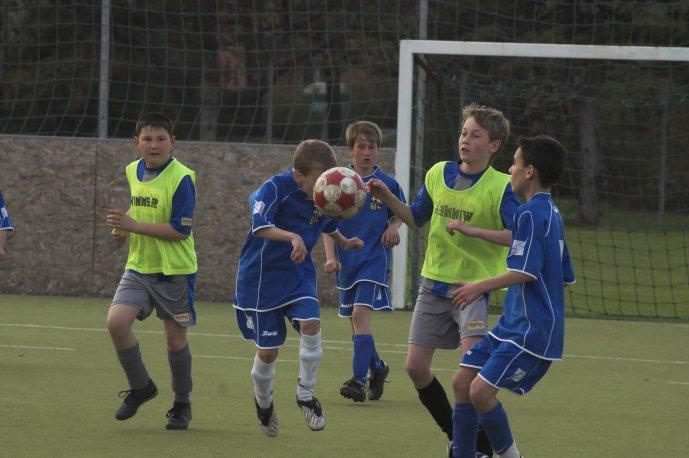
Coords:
376,204
316,216
518,247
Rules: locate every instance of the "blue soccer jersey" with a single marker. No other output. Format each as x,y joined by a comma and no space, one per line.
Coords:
267,278
372,262
5,220
533,318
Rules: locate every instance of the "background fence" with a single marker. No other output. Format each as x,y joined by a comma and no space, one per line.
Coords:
280,71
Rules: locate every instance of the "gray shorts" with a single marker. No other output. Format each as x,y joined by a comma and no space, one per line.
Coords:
172,296
436,323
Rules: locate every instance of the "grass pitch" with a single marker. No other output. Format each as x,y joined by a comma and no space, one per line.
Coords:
622,390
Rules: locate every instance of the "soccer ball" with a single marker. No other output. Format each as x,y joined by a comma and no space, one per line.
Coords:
339,193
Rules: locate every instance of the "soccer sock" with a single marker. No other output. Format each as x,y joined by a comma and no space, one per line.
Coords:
482,443
376,364
434,398
464,430
310,353
133,366
497,428
362,356
263,375
180,369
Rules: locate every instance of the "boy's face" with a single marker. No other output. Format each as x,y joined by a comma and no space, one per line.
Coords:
155,145
519,174
475,145
364,153
307,182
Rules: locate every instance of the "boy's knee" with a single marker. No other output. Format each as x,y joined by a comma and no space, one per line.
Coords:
309,327
478,394
117,325
416,371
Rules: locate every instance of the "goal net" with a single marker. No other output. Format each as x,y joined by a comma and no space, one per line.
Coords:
620,111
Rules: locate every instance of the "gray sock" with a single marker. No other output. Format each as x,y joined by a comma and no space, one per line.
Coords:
180,369
133,366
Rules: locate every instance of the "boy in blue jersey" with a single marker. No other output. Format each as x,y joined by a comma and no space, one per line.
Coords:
529,335
362,276
471,189
160,270
276,280
5,227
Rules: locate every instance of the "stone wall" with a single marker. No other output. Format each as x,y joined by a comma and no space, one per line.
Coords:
58,191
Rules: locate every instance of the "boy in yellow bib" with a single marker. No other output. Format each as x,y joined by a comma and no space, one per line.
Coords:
160,270
472,191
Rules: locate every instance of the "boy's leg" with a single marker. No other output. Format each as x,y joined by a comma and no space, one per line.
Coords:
179,359
310,354
142,389
493,418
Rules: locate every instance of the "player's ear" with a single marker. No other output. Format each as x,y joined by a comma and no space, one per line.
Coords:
298,177
495,146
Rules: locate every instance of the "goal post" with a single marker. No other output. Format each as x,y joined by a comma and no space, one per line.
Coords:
409,48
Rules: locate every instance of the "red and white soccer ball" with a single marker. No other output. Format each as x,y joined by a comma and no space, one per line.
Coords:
339,193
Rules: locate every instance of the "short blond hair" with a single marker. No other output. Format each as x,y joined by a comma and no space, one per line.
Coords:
367,128
491,119
313,155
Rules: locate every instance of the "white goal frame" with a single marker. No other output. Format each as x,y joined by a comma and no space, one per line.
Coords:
481,48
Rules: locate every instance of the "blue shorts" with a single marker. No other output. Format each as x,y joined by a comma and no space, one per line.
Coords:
505,366
268,330
364,293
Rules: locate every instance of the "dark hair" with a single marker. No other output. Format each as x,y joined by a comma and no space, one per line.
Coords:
313,155
366,128
546,155
154,119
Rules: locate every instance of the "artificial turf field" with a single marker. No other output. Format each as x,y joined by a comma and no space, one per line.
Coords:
621,391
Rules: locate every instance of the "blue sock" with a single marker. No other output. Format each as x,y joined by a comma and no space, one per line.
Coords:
464,431
497,428
362,355
376,364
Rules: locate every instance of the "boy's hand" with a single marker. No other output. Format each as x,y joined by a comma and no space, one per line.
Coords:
461,226
391,237
378,189
355,243
466,294
332,265
298,249
119,234
120,220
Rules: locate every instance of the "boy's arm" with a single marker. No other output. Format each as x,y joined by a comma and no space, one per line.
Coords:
355,243
503,237
391,236
380,191
118,219
467,293
299,251
331,262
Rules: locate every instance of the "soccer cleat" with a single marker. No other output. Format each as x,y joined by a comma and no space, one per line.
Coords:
267,420
179,416
313,413
376,381
354,390
481,455
133,399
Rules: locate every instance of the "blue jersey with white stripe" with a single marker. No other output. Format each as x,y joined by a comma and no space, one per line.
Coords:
533,318
5,220
372,262
267,278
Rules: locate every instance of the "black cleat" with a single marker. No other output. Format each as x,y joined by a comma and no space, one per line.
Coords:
313,413
179,416
376,381
354,390
133,399
267,420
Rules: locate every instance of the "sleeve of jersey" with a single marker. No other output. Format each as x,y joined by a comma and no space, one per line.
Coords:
183,205
5,220
422,207
331,227
526,252
567,270
508,206
265,206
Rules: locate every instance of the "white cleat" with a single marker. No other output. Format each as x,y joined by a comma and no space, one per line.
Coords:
313,413
267,420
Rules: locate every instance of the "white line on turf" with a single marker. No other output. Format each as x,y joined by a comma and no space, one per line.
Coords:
70,328
35,347
678,383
